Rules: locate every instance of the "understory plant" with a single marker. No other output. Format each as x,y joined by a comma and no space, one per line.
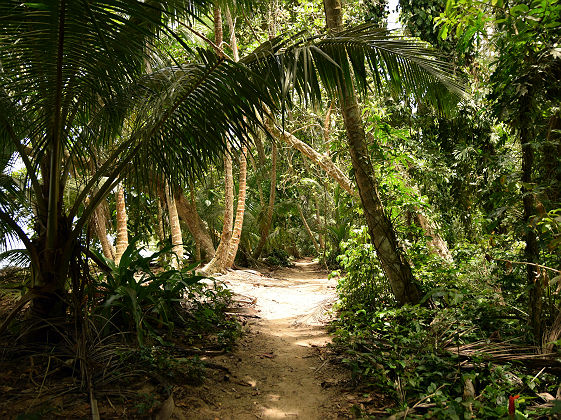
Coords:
140,297
459,354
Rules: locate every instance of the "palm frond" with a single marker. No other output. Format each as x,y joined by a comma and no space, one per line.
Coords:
364,54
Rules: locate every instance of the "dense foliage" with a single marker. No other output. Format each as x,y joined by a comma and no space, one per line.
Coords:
240,133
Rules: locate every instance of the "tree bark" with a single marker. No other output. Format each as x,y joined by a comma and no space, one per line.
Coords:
322,160
100,222
160,227
122,241
188,213
217,263
307,227
240,211
218,33
175,228
382,233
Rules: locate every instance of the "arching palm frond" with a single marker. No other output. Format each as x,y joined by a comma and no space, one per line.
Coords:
365,53
72,73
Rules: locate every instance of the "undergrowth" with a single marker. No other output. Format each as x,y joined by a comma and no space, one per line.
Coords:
138,332
419,355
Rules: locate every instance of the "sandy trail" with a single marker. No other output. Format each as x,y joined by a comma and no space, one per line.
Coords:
279,368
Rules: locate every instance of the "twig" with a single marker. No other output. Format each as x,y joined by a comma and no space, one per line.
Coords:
219,50
427,397
528,263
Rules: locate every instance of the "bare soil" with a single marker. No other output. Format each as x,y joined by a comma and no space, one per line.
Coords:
280,367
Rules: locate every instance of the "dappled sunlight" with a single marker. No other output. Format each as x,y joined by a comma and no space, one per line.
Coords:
279,369
276,413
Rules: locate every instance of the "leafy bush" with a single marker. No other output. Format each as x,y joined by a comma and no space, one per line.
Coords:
278,258
411,353
363,284
137,298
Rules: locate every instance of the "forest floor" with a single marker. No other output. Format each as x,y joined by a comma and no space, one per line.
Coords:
280,367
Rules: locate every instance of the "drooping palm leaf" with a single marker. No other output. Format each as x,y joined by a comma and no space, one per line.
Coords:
364,53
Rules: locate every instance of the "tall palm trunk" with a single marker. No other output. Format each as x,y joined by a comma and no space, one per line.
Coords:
218,261
240,211
122,241
175,228
382,233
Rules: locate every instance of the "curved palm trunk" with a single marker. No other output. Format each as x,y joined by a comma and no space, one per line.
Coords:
240,211
217,263
382,233
266,227
187,212
100,223
122,241
175,227
322,160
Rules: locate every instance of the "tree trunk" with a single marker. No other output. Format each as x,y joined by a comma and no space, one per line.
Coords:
175,228
122,241
160,228
218,34
266,226
307,227
390,255
100,222
322,160
218,262
197,240
188,213
531,252
240,211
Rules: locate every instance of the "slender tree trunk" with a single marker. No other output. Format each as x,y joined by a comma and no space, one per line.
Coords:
240,211
382,233
122,241
175,228
322,160
307,227
531,252
320,224
218,261
218,33
160,228
100,222
233,39
188,213
194,206
269,215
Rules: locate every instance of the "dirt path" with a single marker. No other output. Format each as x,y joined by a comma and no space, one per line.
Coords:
280,367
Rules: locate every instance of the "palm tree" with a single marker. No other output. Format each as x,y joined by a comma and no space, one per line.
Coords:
71,73
73,79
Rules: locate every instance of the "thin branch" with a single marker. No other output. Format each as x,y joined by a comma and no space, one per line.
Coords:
528,263
209,41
